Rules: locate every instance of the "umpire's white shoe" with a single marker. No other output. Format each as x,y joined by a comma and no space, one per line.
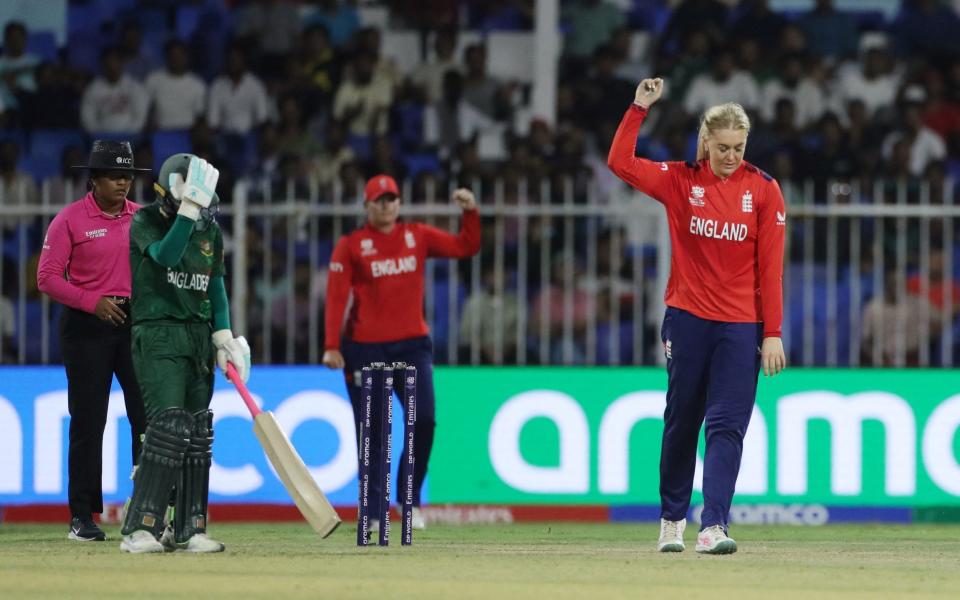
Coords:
416,518
199,542
140,542
671,535
714,540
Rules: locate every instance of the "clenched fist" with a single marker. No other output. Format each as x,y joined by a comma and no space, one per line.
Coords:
648,92
465,199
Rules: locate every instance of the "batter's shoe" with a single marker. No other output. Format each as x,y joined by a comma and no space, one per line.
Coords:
374,526
199,542
83,529
671,535
714,540
167,540
140,542
416,518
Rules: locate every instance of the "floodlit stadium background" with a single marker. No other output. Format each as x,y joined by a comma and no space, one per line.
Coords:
856,113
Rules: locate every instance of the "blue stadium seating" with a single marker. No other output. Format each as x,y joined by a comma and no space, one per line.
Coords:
43,44
239,150
421,163
362,146
33,311
167,142
188,17
408,117
46,148
81,53
83,17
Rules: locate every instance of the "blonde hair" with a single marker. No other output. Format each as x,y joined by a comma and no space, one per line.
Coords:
722,116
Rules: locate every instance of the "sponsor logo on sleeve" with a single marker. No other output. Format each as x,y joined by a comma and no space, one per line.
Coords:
664,167
781,218
336,267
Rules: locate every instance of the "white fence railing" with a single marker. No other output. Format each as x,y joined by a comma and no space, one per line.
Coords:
577,278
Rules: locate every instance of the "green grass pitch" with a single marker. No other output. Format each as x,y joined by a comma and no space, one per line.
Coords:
493,562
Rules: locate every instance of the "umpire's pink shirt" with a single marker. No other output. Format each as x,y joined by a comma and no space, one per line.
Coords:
86,254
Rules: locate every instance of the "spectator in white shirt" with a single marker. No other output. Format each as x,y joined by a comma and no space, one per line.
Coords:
16,186
138,61
452,120
178,97
363,100
925,145
238,100
807,97
17,66
874,80
724,83
429,75
115,102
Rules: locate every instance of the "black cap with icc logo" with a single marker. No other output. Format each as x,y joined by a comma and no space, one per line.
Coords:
110,155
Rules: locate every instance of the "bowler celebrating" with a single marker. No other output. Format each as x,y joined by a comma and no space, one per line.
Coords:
724,305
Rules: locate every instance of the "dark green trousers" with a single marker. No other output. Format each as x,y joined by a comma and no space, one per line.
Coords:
174,363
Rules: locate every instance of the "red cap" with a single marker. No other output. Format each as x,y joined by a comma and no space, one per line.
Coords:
378,185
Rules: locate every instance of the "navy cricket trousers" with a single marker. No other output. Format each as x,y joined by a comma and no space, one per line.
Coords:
417,352
712,369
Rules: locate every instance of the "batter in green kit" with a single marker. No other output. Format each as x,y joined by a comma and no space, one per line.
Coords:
172,314
181,327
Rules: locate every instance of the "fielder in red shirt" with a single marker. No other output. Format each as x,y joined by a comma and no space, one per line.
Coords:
724,305
381,266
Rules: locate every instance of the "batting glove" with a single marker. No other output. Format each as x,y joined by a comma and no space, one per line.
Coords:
197,190
233,350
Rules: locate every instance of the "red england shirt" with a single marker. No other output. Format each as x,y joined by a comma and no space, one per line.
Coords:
385,273
727,235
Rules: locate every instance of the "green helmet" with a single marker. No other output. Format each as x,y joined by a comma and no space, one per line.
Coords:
180,163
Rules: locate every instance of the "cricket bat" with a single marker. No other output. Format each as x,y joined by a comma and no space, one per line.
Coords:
311,501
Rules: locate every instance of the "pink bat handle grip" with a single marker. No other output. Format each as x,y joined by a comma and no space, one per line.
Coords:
233,376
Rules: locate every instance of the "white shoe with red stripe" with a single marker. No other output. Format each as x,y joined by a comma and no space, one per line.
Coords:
714,540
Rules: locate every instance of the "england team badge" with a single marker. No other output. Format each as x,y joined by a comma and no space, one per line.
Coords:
746,203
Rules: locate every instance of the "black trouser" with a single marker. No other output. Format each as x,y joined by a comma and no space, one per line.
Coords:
93,351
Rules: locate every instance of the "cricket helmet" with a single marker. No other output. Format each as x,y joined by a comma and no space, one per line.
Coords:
179,164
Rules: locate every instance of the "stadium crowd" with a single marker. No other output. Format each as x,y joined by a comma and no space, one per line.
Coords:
302,94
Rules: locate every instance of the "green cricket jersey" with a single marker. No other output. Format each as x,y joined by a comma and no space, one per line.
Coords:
180,292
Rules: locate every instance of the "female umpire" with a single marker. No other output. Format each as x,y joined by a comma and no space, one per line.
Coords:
85,265
381,264
724,305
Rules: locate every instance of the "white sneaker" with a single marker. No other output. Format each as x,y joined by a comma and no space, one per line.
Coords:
140,542
199,542
671,535
373,526
416,519
713,540
167,539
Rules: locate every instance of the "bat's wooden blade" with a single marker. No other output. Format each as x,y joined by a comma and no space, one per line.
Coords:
311,501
